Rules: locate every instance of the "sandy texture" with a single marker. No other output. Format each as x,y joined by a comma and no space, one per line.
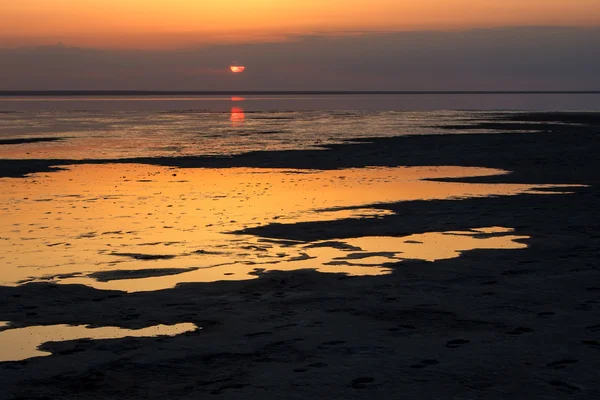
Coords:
491,324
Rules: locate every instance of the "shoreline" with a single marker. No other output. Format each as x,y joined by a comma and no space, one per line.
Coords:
36,93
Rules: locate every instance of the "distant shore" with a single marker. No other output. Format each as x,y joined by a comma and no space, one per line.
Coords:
13,93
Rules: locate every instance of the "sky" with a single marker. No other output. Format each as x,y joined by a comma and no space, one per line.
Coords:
300,44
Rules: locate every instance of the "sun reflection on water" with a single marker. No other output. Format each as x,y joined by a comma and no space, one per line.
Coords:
237,117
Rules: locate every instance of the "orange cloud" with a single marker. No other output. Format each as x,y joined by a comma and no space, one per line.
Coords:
181,23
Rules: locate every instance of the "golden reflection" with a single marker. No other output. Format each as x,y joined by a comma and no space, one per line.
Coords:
22,343
434,245
366,256
237,116
136,227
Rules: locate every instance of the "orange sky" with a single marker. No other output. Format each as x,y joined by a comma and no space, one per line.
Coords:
181,23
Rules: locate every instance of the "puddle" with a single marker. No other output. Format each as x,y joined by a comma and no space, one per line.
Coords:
432,246
359,257
137,227
22,343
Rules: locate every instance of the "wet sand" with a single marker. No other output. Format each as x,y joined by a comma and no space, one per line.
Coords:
491,324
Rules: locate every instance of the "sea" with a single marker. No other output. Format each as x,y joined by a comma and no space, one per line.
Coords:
150,125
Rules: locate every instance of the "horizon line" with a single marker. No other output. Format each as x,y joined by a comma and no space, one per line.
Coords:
75,93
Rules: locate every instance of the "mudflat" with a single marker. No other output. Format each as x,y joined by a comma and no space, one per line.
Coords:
520,322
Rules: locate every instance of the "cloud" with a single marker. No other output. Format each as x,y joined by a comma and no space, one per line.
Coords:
526,58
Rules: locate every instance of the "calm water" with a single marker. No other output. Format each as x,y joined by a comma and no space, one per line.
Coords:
22,343
138,228
118,127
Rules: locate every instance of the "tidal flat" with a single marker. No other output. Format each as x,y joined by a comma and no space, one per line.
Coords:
448,265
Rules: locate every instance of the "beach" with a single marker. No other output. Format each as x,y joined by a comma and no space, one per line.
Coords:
517,319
